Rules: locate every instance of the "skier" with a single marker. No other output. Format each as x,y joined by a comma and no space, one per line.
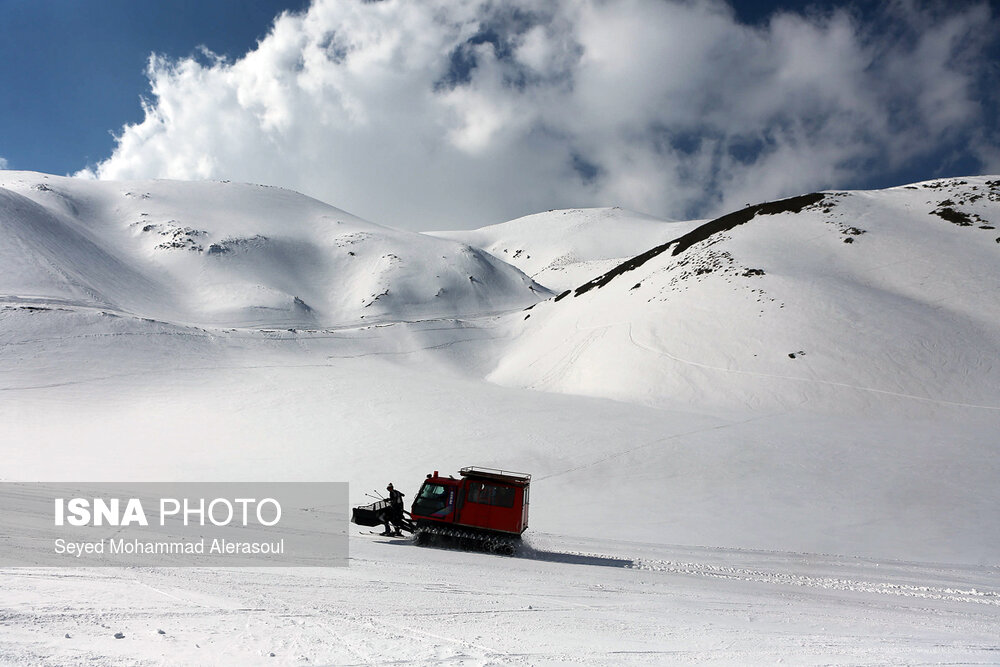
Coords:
394,513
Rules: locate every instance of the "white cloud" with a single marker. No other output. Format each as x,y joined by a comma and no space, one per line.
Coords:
440,114
3,163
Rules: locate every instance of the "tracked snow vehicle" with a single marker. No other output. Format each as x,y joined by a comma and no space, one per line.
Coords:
484,509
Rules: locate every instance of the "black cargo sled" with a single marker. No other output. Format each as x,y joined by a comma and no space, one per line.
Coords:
370,515
375,515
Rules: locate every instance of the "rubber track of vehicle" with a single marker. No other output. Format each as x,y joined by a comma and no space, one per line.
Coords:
462,539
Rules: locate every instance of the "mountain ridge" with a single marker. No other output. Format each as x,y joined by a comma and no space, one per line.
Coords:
818,382
226,254
884,272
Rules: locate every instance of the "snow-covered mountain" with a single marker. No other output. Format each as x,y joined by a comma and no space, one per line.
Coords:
834,300
811,376
231,254
563,249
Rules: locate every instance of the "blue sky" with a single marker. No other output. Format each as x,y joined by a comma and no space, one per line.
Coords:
73,71
764,99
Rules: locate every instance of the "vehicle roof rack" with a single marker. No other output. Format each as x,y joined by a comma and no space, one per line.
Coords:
477,472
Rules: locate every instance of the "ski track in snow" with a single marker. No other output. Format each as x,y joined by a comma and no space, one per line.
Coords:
163,396
551,604
972,595
247,334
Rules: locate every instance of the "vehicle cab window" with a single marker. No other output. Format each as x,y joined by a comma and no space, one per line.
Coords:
432,499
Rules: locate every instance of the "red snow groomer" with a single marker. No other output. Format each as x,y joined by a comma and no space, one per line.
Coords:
485,509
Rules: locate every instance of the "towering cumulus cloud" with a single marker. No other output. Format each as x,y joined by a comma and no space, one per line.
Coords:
439,114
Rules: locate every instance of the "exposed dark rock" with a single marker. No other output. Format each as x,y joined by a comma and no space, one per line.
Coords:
953,216
731,220
706,231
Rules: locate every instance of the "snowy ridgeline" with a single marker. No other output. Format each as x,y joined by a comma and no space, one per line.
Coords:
225,254
814,375
835,301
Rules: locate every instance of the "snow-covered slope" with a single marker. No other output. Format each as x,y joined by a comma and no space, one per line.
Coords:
233,255
816,376
562,602
562,249
837,301
836,332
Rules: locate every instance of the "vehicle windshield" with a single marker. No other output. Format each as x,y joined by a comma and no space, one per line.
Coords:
432,500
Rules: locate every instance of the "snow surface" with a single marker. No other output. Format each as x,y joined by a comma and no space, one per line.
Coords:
860,300
563,249
561,602
230,254
684,490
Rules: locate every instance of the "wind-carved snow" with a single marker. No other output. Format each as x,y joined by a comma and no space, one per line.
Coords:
812,393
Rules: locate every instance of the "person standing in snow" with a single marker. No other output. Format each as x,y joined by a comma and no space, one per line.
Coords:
394,513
